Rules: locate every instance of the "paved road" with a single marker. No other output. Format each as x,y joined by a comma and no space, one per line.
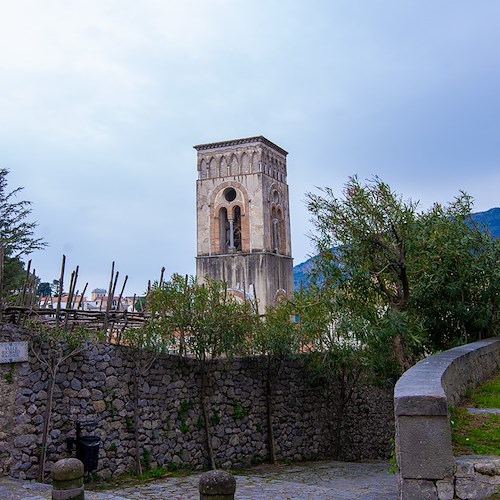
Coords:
311,480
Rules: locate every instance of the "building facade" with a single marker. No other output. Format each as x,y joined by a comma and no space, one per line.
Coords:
243,218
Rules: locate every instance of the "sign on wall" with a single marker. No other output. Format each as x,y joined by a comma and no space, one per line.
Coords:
13,352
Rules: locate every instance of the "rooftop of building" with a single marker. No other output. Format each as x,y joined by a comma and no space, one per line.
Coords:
238,142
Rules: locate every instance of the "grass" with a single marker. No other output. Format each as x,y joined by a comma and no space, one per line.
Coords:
487,395
477,434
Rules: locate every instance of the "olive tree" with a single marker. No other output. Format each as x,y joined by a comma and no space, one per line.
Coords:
416,279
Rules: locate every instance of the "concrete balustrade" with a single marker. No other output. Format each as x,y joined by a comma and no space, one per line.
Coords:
423,433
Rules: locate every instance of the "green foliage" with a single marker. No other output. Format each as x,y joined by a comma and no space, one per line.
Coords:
478,433
475,434
203,319
14,276
59,340
487,395
9,376
456,287
109,401
200,424
277,334
16,236
413,282
16,233
140,304
145,340
154,473
44,289
146,459
182,415
184,408
129,423
215,418
393,462
172,467
238,411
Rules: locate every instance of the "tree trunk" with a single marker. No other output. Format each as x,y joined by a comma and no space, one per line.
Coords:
399,351
135,395
46,424
203,391
269,414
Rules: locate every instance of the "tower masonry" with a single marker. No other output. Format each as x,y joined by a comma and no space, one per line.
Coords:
243,218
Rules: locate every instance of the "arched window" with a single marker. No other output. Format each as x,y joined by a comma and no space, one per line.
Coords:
245,164
275,231
224,169
237,228
234,165
223,231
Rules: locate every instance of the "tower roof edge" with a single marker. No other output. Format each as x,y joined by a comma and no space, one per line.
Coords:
237,142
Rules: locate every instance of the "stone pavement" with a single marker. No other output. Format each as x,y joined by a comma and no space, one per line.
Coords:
308,480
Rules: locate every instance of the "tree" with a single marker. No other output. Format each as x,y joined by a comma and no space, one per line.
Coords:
204,321
457,293
45,289
384,261
52,347
16,232
372,229
276,338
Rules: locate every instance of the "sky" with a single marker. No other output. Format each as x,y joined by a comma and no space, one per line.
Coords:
102,101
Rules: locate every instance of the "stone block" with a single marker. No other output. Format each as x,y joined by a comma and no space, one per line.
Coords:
217,485
417,489
446,489
67,480
424,447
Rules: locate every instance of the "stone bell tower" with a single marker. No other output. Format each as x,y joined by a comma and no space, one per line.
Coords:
243,218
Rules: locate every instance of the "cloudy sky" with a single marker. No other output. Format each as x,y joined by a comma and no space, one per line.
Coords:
101,102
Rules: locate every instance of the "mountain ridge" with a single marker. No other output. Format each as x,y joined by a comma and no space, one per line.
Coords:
489,219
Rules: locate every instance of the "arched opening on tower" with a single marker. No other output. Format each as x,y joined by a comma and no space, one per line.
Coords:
223,230
275,226
230,230
237,228
277,231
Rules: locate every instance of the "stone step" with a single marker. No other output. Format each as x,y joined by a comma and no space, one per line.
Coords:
484,410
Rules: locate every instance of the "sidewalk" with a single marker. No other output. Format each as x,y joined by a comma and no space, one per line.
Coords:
308,480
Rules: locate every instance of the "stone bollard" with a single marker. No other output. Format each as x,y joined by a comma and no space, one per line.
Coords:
217,485
67,480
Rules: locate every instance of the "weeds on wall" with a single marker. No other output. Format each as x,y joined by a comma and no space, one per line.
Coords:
9,376
143,346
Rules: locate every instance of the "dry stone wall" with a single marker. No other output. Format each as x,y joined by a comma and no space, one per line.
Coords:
97,385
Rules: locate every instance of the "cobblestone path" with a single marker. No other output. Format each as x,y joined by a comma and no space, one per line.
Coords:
311,480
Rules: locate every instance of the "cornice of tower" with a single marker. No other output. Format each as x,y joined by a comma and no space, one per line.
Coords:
237,142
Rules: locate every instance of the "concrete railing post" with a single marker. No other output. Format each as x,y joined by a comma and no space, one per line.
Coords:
217,485
423,432
67,480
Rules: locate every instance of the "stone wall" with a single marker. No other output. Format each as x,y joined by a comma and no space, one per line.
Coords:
97,385
423,433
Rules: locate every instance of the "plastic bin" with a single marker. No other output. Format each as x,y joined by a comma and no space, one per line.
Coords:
87,451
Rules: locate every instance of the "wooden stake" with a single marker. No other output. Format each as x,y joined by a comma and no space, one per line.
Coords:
61,280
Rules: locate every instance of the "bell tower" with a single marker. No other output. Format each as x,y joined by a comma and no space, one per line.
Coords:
243,218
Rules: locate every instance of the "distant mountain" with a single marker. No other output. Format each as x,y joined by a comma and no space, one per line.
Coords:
489,219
